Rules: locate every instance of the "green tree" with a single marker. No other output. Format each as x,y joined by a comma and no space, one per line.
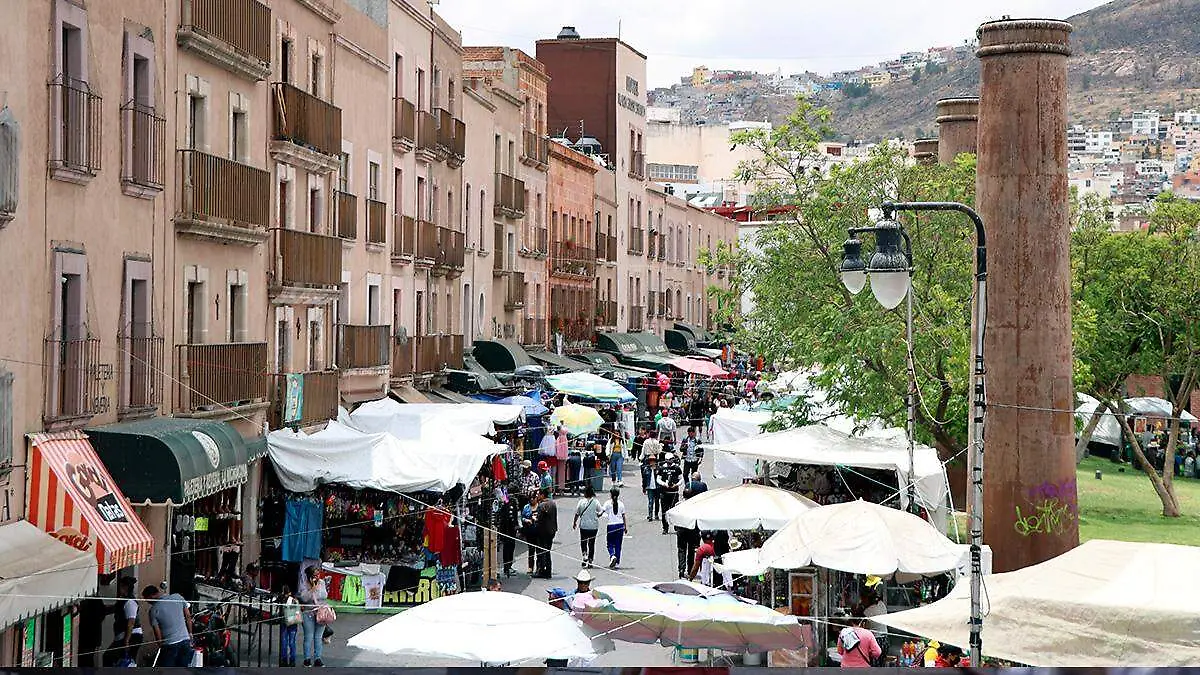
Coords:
1141,291
803,316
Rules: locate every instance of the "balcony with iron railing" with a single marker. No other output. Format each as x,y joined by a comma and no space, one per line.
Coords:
451,250
318,402
509,193
215,377
307,267
404,238
637,241
514,290
427,135
450,350
569,260
637,165
72,368
402,357
376,222
535,149
652,251
363,347
76,130
233,34
428,250
606,248
141,354
498,252
346,215
143,146
404,125
222,200
541,241
306,131
445,131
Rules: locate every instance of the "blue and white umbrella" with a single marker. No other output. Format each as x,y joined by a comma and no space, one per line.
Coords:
589,386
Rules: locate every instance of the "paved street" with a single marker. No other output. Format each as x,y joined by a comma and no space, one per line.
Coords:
648,555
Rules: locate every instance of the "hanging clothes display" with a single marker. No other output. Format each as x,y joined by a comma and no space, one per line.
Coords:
302,529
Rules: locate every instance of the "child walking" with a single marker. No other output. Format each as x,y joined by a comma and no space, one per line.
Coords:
292,616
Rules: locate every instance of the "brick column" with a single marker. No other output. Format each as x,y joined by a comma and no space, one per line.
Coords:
925,151
958,127
1030,505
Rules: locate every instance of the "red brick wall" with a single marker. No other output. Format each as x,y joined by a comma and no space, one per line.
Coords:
583,87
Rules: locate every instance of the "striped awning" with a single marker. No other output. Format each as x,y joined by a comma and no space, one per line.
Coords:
74,499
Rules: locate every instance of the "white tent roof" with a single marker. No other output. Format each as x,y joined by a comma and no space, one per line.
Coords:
740,507
38,572
1104,603
1108,429
819,444
438,460
734,424
858,537
404,420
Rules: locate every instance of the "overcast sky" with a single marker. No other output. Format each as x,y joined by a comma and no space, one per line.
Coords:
764,35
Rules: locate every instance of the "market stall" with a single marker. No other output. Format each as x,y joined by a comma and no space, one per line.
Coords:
395,520
832,466
1102,603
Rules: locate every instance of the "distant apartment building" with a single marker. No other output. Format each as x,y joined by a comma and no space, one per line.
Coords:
695,158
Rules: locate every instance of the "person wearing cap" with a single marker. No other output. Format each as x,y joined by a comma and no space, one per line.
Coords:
547,478
706,553
667,479
929,658
530,482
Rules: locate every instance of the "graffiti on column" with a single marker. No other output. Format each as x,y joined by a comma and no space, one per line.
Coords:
1049,508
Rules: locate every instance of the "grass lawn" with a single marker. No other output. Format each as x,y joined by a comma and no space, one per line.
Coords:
1124,506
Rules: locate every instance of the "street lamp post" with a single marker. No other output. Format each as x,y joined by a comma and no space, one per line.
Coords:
890,272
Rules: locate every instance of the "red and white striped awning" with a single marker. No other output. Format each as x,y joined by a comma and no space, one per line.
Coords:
73,498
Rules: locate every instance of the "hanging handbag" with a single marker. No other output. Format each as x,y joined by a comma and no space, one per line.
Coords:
325,615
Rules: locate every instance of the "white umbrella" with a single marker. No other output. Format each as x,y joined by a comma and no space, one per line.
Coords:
740,507
857,537
485,627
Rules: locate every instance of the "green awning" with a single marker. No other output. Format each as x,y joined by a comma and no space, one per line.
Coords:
651,344
607,363
679,341
500,356
174,460
617,343
556,361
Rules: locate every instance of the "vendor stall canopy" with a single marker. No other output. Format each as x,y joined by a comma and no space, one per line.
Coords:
174,460
408,420
1108,428
500,356
1104,603
39,573
441,458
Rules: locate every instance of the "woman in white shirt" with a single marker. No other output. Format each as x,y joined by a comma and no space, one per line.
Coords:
618,524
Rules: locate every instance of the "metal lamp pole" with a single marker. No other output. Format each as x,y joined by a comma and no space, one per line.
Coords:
885,261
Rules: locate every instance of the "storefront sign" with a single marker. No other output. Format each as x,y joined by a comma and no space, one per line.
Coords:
91,484
201,486
73,538
630,104
293,401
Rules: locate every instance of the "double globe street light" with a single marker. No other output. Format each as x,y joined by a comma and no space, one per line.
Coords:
890,274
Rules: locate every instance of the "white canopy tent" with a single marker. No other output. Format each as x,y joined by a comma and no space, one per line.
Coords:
740,507
857,537
1104,603
1108,429
405,420
821,445
735,424
438,459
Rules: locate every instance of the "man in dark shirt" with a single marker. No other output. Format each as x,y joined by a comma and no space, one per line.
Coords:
547,527
508,518
668,478
695,486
